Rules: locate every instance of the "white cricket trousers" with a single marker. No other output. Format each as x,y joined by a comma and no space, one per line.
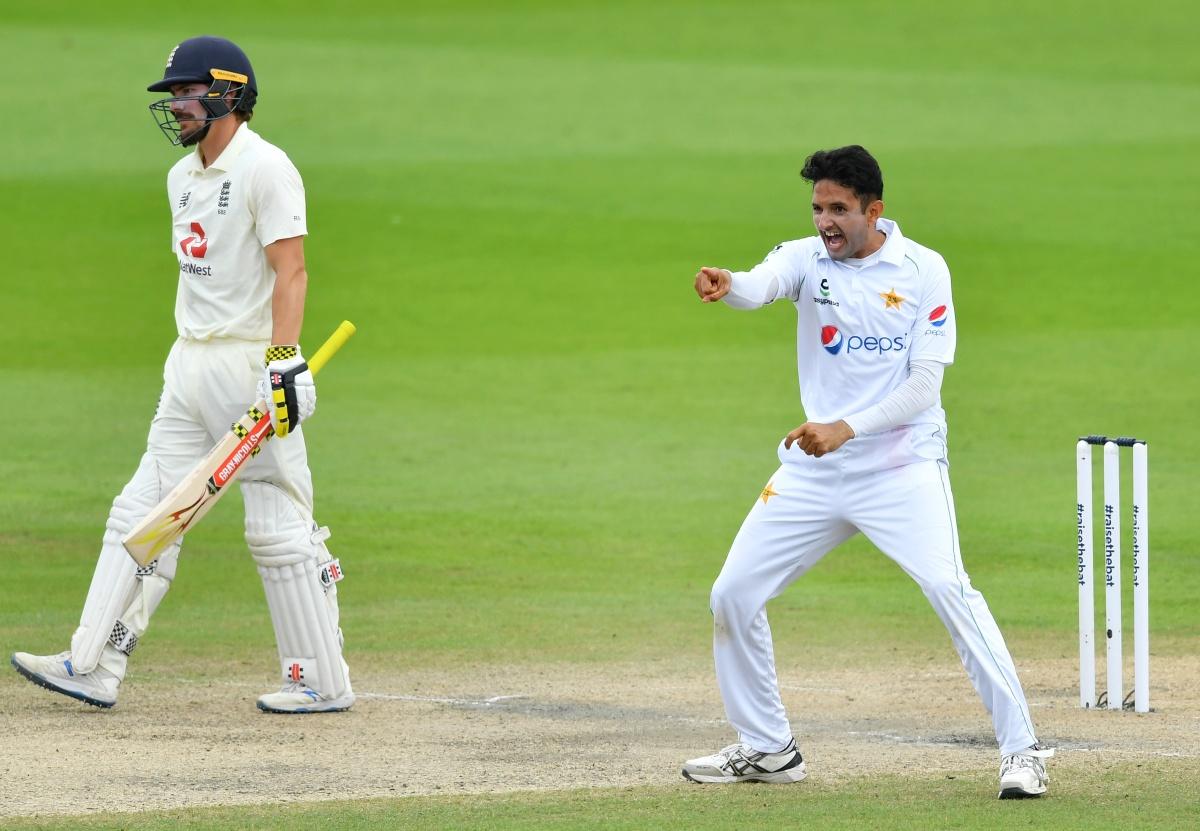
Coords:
908,513
208,385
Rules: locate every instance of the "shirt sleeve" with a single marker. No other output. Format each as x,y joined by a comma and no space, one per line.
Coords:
934,333
278,201
918,393
171,202
779,275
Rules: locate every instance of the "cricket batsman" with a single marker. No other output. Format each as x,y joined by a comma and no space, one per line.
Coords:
875,331
237,231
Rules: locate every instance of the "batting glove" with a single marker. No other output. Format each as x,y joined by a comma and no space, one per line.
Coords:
288,388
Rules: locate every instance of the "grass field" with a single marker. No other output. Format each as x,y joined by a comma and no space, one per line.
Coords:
539,446
890,802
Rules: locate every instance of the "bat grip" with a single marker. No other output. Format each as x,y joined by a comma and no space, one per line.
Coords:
335,342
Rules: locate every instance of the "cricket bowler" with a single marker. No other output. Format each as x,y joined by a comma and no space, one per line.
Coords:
238,224
875,331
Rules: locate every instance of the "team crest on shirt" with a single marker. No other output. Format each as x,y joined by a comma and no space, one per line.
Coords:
831,339
891,300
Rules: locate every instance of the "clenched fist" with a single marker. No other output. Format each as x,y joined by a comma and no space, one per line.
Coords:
712,283
819,439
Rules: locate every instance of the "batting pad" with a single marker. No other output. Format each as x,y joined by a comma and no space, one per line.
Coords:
122,597
299,578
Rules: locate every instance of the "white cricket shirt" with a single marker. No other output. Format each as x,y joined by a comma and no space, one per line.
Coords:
222,218
858,325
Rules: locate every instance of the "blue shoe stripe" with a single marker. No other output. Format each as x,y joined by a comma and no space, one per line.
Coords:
46,684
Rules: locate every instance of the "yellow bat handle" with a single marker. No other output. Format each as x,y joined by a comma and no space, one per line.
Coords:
336,341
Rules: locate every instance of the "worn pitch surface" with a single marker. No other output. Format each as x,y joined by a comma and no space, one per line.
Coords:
176,742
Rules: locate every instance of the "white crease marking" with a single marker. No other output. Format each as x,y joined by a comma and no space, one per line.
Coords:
927,743
484,702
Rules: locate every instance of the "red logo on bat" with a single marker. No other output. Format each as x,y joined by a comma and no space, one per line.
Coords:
244,450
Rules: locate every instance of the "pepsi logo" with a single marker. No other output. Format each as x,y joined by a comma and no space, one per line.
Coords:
831,339
938,316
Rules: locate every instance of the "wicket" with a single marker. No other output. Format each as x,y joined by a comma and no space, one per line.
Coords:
1114,698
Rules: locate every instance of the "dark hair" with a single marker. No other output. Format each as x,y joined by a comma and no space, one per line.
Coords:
243,110
851,167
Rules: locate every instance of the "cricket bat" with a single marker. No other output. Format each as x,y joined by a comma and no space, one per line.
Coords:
195,495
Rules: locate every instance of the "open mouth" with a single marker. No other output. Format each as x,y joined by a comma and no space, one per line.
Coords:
834,241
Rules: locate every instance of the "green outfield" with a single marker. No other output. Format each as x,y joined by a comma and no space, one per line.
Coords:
539,445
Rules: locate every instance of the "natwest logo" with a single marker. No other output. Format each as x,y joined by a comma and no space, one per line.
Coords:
833,340
197,244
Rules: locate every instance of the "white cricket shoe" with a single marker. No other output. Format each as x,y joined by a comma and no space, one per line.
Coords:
742,763
1023,774
299,698
55,673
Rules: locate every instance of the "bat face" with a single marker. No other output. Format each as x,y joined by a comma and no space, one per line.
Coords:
197,492
147,541
250,443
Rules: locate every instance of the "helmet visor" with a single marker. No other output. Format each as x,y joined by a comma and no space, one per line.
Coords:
213,102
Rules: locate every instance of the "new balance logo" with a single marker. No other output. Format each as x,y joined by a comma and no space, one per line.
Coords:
196,245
